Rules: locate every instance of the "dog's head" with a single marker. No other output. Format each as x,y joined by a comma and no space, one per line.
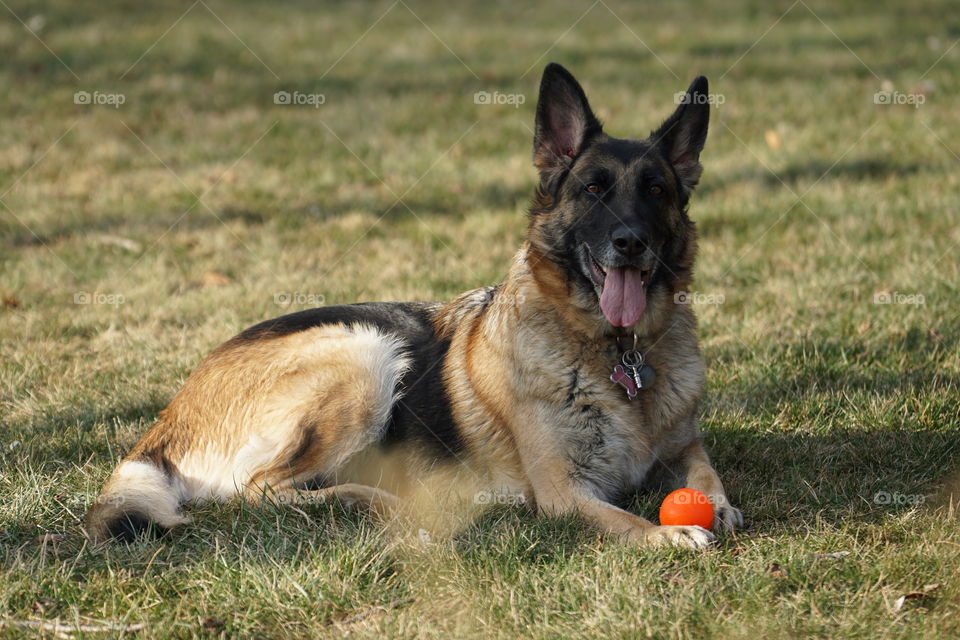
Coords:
611,212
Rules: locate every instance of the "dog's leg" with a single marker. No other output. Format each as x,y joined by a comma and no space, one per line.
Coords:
700,475
382,503
632,527
556,492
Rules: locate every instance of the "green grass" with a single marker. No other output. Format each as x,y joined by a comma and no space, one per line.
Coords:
199,202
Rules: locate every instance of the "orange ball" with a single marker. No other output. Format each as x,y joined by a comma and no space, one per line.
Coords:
687,507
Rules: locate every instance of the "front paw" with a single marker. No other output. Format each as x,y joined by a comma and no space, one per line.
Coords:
692,537
726,517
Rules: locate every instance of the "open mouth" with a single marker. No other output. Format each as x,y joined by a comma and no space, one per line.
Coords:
623,291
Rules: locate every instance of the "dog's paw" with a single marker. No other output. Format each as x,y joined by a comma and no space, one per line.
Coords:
726,517
692,537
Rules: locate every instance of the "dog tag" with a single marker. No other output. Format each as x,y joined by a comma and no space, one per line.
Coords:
647,376
621,377
632,373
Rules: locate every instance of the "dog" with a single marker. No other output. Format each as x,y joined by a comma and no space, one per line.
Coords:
567,385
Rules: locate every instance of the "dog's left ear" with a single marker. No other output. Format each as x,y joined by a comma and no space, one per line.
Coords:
565,121
682,136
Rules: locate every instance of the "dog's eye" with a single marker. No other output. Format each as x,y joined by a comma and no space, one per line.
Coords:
593,188
655,190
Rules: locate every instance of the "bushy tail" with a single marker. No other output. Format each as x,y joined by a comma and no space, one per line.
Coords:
139,498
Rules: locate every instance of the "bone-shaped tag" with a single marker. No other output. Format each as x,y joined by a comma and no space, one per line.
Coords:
621,377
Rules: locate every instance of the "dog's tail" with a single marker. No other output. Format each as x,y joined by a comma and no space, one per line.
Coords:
143,496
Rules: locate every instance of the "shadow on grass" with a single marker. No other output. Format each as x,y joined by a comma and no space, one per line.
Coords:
446,205
858,170
449,206
787,478
81,432
854,432
909,368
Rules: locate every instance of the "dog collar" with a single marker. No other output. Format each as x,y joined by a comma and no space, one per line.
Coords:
632,373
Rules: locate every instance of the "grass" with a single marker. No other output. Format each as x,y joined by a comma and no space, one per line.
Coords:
199,207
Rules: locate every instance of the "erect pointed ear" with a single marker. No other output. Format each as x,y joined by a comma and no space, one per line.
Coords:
682,136
564,121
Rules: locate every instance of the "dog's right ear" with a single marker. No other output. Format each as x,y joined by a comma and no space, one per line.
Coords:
564,121
684,133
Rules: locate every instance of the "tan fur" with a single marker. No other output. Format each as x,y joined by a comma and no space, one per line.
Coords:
509,403
262,416
526,377
239,425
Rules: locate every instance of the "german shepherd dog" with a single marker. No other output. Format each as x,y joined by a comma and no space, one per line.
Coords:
568,384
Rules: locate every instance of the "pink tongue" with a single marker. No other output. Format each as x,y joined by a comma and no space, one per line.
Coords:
623,299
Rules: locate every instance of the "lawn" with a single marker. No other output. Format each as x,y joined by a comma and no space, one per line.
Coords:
171,173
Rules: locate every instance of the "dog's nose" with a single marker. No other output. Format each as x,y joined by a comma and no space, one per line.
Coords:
629,241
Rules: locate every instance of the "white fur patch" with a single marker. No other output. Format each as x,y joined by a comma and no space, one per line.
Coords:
382,356
265,427
138,485
210,475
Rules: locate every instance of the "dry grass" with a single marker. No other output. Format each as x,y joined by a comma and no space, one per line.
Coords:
195,207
